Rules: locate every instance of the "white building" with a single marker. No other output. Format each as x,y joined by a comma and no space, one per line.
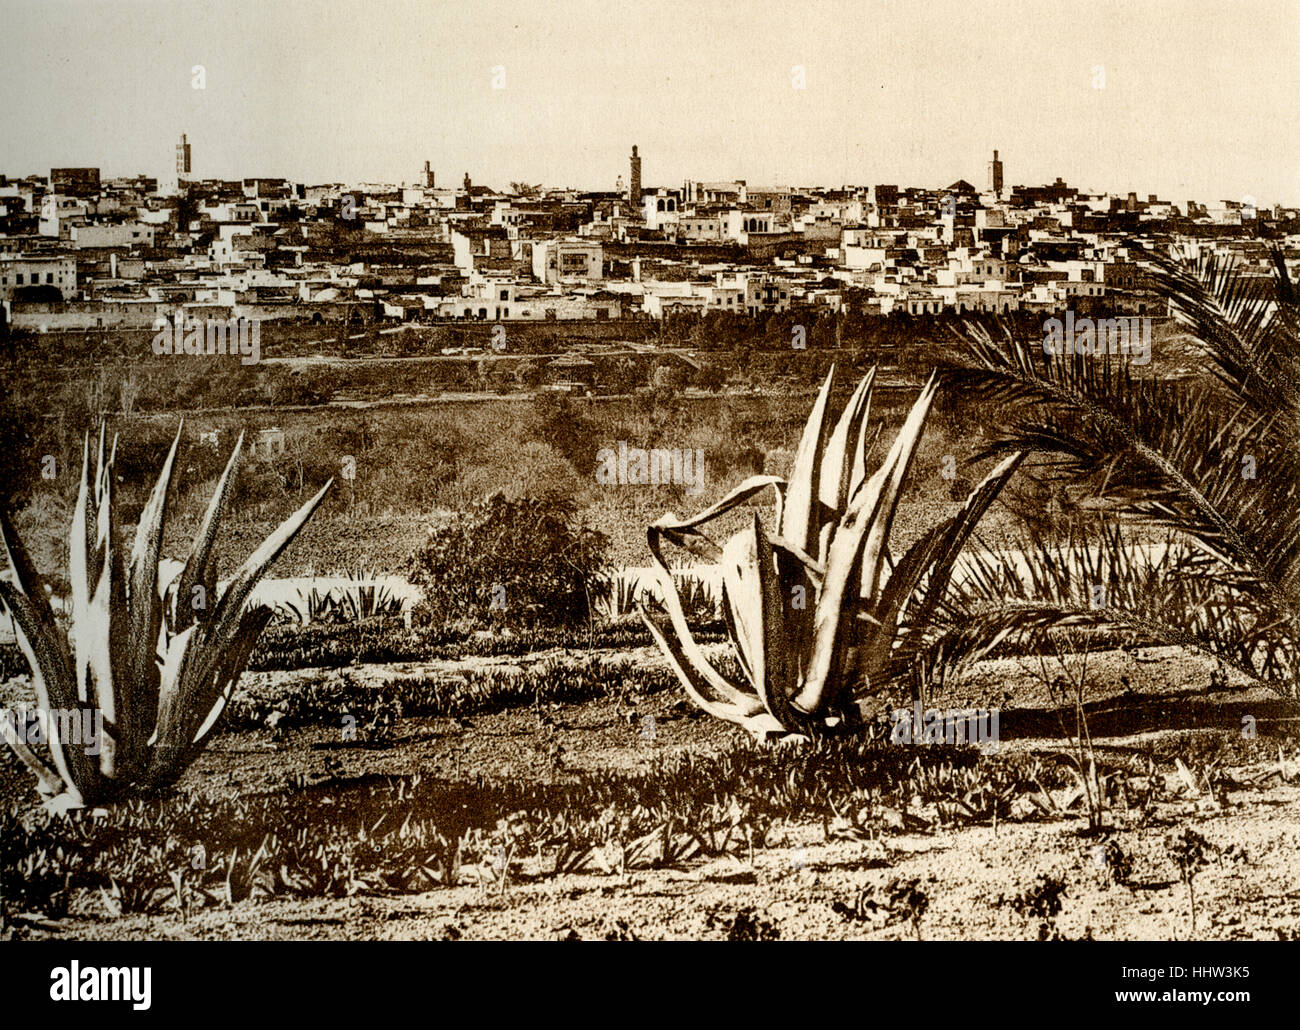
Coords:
124,234
556,261
17,272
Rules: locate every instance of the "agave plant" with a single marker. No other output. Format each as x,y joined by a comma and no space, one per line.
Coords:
696,596
818,612
158,664
311,607
362,597
616,595
1213,460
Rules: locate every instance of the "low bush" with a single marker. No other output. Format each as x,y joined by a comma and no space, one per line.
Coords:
519,563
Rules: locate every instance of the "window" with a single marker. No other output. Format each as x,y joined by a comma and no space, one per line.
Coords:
20,278
505,294
49,277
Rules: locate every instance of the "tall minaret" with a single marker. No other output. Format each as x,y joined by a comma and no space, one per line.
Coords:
428,176
183,159
995,175
180,183
634,190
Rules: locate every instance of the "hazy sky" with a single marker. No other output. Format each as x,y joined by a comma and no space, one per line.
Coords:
1199,98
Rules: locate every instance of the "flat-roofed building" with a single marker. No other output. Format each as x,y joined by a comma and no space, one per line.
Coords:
20,273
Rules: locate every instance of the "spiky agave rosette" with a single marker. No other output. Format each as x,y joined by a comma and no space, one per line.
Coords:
158,664
818,612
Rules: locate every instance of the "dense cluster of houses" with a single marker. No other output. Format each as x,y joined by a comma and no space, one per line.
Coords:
81,252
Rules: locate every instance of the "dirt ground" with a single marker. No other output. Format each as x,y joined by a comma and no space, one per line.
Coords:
815,881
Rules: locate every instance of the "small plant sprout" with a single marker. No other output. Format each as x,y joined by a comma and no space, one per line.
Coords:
1190,853
1041,901
1114,864
908,900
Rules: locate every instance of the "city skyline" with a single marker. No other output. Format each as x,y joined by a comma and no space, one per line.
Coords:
890,93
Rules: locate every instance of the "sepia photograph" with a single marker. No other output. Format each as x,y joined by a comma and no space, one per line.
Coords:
575,471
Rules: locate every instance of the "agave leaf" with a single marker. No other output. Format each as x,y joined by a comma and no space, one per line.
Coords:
29,580
897,463
51,675
740,582
780,679
933,556
168,744
93,647
199,570
800,523
831,613
82,564
706,686
843,456
684,532
733,634
694,670
116,696
146,613
702,682
203,658
814,569
228,672
228,610
869,512
48,780
882,617
844,446
957,534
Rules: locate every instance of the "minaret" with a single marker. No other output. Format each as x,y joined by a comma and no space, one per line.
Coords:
634,190
182,159
428,176
995,175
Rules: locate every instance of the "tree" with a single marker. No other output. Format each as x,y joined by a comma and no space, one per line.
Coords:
557,422
619,375
669,375
528,375
1211,461
711,377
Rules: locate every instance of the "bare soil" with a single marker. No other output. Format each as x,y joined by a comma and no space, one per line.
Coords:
814,881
